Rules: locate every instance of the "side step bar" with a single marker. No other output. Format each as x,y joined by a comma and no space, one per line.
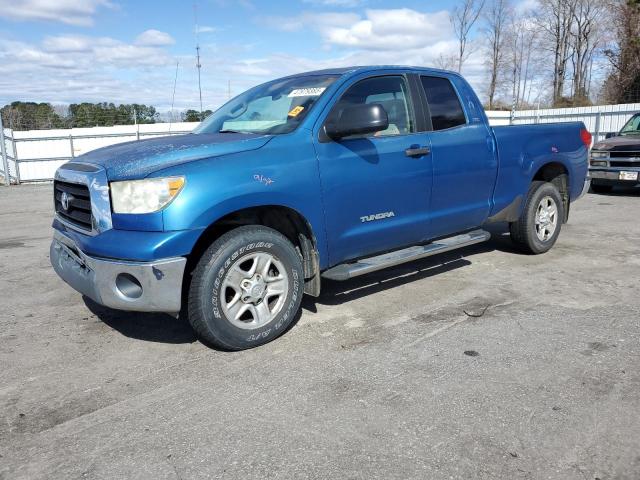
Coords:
346,271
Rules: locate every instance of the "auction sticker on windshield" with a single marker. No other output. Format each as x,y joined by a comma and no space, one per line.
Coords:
628,176
296,111
307,92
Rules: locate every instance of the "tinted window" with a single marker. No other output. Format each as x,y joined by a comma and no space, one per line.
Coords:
390,92
444,105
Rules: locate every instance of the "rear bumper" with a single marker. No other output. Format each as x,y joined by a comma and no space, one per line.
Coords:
585,187
124,285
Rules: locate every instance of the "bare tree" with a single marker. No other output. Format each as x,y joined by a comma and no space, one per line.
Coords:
446,61
586,37
555,18
462,18
497,19
521,45
623,84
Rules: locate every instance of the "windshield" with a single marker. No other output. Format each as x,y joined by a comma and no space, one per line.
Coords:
632,127
272,108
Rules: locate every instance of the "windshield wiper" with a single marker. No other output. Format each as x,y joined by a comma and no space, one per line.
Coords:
228,130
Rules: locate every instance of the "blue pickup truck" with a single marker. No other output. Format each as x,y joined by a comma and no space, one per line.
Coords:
333,174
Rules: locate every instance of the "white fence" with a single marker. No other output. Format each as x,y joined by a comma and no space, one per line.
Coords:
34,155
599,120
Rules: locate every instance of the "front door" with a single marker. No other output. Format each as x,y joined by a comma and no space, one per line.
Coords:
376,194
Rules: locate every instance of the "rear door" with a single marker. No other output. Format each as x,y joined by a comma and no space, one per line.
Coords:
464,163
376,195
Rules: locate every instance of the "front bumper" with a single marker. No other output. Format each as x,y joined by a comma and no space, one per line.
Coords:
613,176
124,285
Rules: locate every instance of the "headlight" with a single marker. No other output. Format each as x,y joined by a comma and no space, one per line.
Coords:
144,196
599,154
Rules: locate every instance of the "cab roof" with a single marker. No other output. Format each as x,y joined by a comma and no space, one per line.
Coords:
367,68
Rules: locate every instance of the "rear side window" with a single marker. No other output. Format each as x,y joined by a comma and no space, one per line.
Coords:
444,106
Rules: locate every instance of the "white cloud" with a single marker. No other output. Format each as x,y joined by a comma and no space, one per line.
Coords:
397,29
73,68
389,36
313,20
91,52
154,38
67,44
382,29
71,12
400,36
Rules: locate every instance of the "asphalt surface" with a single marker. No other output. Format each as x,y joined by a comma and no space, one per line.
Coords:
482,363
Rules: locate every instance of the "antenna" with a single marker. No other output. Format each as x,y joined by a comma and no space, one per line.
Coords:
198,65
173,98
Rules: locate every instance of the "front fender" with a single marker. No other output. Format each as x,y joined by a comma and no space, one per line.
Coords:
283,173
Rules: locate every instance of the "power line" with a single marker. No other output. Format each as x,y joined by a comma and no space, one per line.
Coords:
173,97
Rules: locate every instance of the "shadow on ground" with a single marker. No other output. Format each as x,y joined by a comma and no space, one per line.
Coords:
337,293
150,327
619,191
164,328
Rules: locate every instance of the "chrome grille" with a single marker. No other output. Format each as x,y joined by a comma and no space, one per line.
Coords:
72,203
628,164
90,210
624,154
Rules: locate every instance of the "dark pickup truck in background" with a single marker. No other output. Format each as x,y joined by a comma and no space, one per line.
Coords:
616,160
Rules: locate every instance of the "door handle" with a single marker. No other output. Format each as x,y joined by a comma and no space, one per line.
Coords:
417,151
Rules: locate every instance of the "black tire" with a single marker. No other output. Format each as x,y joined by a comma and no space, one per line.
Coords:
206,312
524,232
599,188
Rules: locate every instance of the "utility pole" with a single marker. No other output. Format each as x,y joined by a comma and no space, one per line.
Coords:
198,64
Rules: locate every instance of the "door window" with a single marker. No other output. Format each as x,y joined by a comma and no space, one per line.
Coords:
444,105
390,92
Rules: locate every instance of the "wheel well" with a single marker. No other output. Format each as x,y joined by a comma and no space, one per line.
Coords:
285,220
557,174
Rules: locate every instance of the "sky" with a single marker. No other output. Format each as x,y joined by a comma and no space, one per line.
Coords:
69,51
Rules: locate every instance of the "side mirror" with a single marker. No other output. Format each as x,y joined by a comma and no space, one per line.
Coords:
358,120
611,135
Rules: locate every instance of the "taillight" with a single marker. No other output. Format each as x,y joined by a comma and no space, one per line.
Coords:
586,137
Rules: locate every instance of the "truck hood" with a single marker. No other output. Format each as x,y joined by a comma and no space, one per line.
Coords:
138,159
619,144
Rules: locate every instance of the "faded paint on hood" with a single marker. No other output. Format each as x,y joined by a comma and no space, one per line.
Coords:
138,159
621,143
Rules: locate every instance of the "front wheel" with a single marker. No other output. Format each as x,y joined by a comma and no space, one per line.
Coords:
246,289
538,227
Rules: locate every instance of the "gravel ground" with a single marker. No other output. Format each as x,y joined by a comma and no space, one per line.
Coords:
396,375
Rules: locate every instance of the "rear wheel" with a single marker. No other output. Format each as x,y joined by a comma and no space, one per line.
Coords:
246,289
599,188
538,227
